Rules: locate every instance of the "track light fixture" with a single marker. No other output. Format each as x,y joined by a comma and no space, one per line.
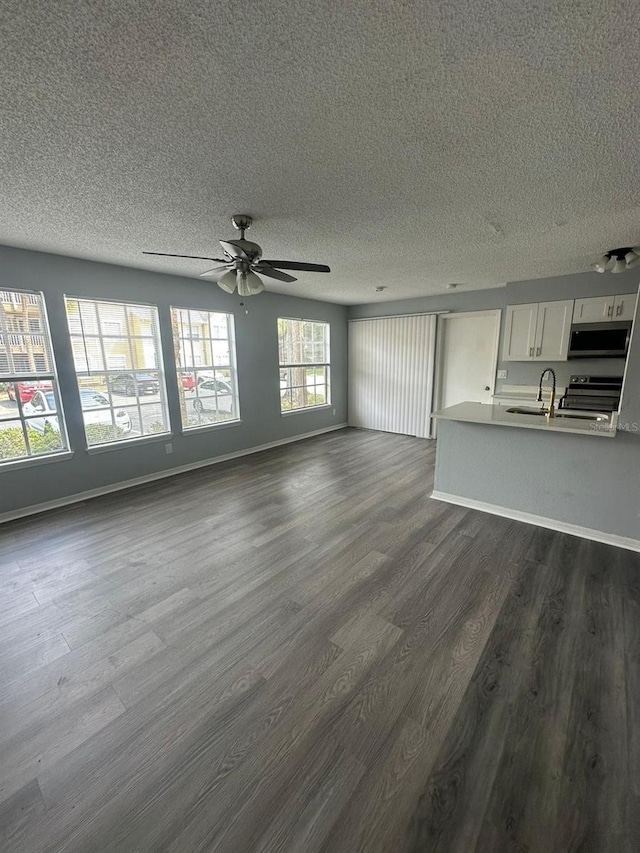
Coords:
618,260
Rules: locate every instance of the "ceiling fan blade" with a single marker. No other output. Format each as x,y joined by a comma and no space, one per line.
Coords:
228,281
233,250
297,265
215,273
265,269
195,257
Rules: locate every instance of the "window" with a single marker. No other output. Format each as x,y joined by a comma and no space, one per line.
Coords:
31,418
116,351
206,361
304,364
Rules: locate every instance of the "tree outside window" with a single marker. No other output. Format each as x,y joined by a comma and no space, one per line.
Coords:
304,357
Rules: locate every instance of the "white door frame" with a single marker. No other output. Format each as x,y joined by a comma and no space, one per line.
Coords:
439,362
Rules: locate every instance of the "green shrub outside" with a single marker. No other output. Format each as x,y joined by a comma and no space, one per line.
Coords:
12,442
101,433
312,400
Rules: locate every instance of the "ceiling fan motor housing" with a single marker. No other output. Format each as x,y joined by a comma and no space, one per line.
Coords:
252,250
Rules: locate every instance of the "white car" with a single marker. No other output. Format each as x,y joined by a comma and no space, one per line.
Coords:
212,395
96,409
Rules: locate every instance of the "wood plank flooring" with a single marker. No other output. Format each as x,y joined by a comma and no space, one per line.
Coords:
300,652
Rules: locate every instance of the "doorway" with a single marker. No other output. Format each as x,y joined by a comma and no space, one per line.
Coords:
466,357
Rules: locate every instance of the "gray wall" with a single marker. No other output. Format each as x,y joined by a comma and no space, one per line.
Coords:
590,481
258,375
576,286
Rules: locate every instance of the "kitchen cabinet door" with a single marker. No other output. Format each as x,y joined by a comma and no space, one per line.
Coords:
624,306
595,309
553,328
520,332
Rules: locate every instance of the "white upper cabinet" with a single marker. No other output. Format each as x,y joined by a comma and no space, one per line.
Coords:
595,309
553,328
520,332
537,331
602,309
624,306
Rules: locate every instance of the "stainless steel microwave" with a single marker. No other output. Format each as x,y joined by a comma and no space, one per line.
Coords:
600,340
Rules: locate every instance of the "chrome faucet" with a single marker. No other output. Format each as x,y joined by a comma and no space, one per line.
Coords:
550,412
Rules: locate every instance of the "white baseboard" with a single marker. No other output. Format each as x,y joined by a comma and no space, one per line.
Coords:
158,475
541,521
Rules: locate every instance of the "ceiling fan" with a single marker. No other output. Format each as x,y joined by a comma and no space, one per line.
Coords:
243,261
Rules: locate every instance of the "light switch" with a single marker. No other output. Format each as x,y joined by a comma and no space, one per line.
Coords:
502,374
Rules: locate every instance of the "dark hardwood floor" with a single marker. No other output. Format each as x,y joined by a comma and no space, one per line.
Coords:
300,651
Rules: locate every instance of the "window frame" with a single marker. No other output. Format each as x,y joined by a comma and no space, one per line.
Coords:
193,369
326,365
156,337
16,378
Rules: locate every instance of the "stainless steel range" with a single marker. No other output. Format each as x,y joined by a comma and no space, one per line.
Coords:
594,393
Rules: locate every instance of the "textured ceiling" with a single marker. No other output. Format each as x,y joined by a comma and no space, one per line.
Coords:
406,143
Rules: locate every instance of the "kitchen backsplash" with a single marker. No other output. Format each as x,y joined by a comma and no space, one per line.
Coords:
528,373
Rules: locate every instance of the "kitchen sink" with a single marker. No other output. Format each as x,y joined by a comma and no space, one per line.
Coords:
573,415
582,417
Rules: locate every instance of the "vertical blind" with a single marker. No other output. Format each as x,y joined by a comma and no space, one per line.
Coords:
391,361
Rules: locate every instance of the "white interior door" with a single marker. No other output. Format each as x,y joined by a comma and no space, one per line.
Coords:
467,356
391,368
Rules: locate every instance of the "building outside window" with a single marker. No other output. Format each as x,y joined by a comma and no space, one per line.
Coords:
31,416
118,362
205,351
304,357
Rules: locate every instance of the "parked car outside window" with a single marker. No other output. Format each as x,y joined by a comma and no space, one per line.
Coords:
28,389
131,384
96,409
187,380
214,395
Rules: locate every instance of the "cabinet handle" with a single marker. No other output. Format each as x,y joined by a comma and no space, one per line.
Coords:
539,351
530,352
619,309
610,311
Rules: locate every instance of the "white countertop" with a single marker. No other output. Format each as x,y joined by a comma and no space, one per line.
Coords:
485,413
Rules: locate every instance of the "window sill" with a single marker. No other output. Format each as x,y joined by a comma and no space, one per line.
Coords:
129,442
209,427
32,461
287,412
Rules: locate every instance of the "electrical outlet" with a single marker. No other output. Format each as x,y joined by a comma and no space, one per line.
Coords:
168,447
502,374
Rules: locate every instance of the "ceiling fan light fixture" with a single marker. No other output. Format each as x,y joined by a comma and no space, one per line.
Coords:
228,281
619,266
249,284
